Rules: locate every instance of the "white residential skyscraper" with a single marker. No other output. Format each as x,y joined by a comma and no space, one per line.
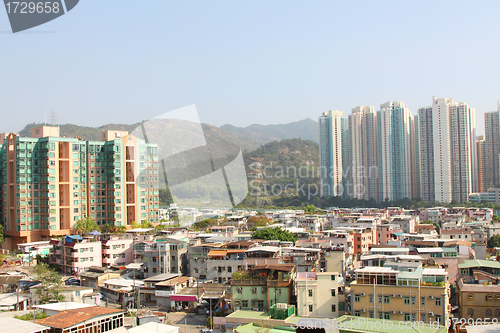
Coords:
492,146
330,143
447,151
363,153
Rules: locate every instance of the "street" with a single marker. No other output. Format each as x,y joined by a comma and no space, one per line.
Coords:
193,322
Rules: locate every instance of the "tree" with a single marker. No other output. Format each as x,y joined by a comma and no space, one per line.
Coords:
310,209
146,224
1,234
258,221
49,290
275,234
494,241
113,229
86,225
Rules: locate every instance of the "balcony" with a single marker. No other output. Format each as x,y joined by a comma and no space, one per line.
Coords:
249,282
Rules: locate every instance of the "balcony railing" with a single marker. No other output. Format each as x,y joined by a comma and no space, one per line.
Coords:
251,282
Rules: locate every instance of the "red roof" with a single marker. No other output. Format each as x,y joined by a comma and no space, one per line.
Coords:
69,318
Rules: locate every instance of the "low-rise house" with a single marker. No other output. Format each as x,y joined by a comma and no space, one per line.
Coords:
478,300
406,222
75,255
93,319
13,301
117,251
55,308
320,295
121,291
460,233
94,277
262,255
305,259
21,326
163,256
222,263
71,293
262,287
148,289
388,232
385,293
168,292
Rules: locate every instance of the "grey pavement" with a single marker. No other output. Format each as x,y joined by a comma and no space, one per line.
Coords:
193,321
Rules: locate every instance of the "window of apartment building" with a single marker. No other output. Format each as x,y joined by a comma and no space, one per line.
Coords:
497,312
173,258
438,318
357,298
263,290
357,313
239,290
489,312
254,291
310,308
310,292
370,314
387,315
260,304
370,298
407,317
380,298
488,297
413,300
407,300
438,301
229,269
91,249
422,317
333,277
334,308
244,304
341,306
279,292
333,292
387,299
422,300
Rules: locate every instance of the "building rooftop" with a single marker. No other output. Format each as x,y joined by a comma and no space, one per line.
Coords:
264,249
479,263
153,328
174,281
161,277
373,269
69,318
20,326
247,314
63,306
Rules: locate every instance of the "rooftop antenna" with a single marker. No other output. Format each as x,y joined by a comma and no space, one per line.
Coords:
45,117
53,117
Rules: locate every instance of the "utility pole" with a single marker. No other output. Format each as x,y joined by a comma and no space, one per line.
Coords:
17,304
185,326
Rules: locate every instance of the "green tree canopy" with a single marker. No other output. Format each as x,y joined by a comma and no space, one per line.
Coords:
494,241
50,286
113,229
275,234
1,234
258,221
86,225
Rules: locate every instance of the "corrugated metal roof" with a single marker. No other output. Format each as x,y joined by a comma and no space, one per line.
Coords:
69,318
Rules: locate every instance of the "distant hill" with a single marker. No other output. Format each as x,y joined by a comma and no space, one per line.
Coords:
281,168
306,129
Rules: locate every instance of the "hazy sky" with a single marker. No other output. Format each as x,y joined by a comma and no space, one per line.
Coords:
244,62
